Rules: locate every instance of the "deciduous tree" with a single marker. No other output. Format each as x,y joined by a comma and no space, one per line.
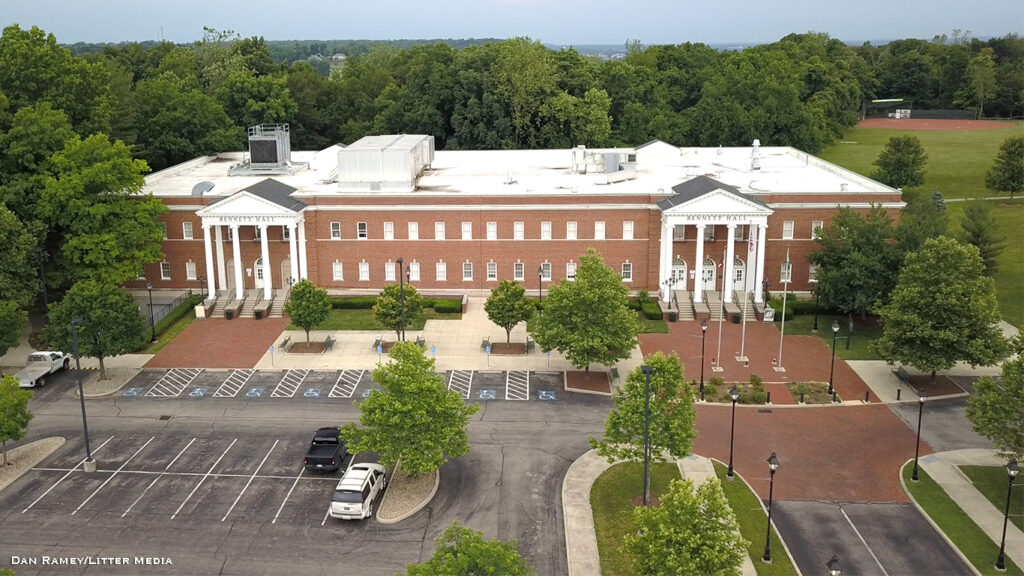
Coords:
507,306
307,306
979,229
18,266
980,86
12,321
388,308
1007,174
249,99
14,412
414,419
901,163
462,551
996,409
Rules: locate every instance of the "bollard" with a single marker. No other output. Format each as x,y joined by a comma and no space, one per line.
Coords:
835,396
898,390
801,397
866,399
768,400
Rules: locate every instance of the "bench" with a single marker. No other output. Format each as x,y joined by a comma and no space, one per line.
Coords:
421,342
484,344
285,344
378,342
329,343
902,374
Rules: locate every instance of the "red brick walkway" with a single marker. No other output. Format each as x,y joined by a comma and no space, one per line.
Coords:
805,358
219,343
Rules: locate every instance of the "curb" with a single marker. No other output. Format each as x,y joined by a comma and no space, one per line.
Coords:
955,548
11,454
95,371
416,508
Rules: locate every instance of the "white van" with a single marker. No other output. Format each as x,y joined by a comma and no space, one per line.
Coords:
353,497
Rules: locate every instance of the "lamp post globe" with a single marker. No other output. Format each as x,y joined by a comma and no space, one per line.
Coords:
647,371
703,335
833,566
734,395
1012,469
152,320
832,369
773,465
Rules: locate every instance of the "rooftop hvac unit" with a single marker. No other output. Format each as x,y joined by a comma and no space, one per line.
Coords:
269,145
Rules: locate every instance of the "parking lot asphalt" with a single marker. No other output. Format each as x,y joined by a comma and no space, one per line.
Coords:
944,424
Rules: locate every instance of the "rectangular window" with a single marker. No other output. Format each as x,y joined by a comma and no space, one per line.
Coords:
787,230
599,230
545,271
442,272
741,232
414,271
570,230
492,270
679,232
467,230
517,231
186,230
786,272
163,229
816,227
361,231
231,234
570,270
518,271
545,230
338,271
467,270
190,271
812,273
627,272
709,233
335,230
165,270
389,271
627,230
492,230
257,233
364,271
389,230
438,230
414,230
286,232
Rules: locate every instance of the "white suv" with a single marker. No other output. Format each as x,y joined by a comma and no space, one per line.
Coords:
353,497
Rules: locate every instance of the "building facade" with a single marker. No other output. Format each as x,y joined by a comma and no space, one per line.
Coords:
668,219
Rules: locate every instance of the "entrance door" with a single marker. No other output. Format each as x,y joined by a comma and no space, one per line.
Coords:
258,273
738,270
286,273
709,275
230,274
679,274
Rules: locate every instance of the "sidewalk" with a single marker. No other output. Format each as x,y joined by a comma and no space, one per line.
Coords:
943,467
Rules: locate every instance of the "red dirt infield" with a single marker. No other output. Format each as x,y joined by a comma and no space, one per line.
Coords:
933,124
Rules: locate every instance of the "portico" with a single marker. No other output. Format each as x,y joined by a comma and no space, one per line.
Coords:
262,206
695,210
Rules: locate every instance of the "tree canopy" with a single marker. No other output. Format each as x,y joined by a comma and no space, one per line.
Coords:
996,409
13,319
507,306
1007,174
14,412
307,306
461,551
979,228
388,308
901,162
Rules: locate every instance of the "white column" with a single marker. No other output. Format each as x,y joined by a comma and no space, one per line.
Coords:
293,253
222,277
698,280
665,262
730,256
303,264
265,258
236,251
208,247
762,230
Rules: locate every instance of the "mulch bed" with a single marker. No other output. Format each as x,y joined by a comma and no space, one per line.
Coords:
306,348
942,385
589,381
652,501
502,348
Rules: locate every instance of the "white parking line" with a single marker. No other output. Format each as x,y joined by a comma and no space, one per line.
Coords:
210,471
111,477
287,496
870,551
157,478
65,476
326,514
257,471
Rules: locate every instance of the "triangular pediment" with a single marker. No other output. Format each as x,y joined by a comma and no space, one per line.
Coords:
245,203
719,201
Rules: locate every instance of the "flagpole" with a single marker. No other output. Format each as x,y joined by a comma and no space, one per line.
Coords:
743,333
785,293
721,316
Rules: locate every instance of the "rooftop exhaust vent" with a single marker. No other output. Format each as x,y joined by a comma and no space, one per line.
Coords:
755,156
202,188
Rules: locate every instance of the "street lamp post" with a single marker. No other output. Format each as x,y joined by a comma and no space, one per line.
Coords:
202,286
849,335
703,334
89,464
152,321
817,298
647,370
917,448
540,285
401,291
1012,469
39,252
832,370
833,566
773,465
734,394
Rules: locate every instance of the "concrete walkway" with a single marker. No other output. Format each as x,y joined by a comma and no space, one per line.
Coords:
580,538
943,467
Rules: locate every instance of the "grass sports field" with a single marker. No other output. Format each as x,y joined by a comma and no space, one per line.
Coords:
957,162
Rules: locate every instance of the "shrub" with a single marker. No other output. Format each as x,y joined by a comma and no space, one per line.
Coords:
634,304
643,297
354,303
776,303
651,310
447,305
754,393
178,313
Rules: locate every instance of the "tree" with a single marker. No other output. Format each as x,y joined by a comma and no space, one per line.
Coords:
920,220
462,551
12,321
111,323
14,413
1007,174
934,322
996,409
858,260
588,320
507,306
980,85
250,100
388,309
672,415
979,229
307,306
17,267
691,532
415,419
901,163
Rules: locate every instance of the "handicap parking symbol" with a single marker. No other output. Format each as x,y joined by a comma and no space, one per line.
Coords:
255,393
197,392
546,394
134,392
488,395
312,393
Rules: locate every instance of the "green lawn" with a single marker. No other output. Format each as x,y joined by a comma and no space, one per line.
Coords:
862,334
611,500
165,337
992,482
979,549
354,319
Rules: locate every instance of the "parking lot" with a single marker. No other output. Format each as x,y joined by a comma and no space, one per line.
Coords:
337,384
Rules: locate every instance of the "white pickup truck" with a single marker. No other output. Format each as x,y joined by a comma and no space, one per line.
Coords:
40,365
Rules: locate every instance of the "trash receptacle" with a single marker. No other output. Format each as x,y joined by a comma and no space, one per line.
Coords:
673,316
229,313
258,313
736,318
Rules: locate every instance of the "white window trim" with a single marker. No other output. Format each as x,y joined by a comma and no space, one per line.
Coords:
414,230
626,278
571,230
492,230
741,232
337,271
545,230
464,265
335,230
389,230
816,227
165,270
785,273
788,235
364,234
812,274
467,230
570,271
518,230
186,231
545,275
599,230
492,267
439,233
364,271
286,233
441,271
389,271
414,271
519,271
190,271
163,228
627,225
230,235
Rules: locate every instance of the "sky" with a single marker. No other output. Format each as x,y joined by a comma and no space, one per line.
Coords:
551,21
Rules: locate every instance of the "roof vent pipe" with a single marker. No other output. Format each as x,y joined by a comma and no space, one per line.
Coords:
755,156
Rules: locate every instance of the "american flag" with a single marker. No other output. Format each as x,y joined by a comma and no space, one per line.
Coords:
750,241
